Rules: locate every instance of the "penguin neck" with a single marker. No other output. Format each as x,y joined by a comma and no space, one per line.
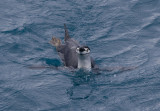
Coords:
84,61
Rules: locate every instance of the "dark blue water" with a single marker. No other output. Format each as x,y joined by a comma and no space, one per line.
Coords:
120,33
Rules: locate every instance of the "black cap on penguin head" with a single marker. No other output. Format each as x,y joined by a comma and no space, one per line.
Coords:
81,49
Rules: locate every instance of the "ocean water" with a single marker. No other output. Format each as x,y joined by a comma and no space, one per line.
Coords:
120,33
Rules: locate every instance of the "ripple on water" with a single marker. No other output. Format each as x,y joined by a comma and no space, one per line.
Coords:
151,28
119,32
145,5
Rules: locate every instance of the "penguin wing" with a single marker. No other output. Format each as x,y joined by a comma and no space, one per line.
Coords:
61,50
66,33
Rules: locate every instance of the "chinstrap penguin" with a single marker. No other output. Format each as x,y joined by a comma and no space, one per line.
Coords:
72,53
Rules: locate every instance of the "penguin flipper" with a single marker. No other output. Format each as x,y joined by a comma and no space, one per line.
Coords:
66,33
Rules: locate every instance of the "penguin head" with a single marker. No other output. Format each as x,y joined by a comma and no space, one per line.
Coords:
83,50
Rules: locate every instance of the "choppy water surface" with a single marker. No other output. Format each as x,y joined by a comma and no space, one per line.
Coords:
120,33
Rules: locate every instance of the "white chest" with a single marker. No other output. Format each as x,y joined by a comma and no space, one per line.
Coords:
84,61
